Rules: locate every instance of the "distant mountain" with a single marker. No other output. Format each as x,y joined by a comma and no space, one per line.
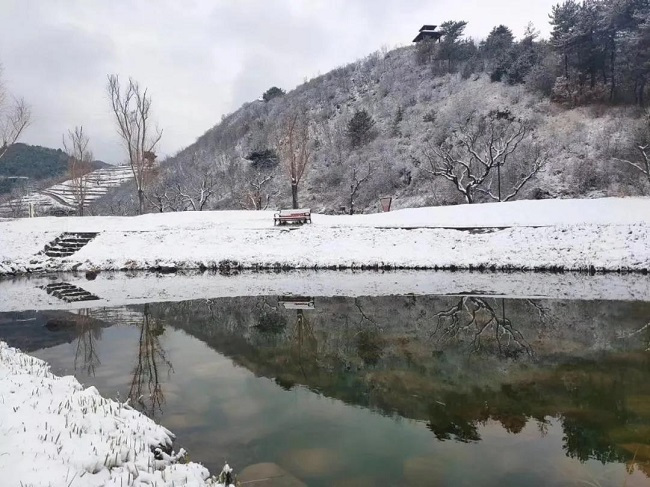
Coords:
30,164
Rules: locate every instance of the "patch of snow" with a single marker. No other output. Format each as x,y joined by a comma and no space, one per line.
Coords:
56,433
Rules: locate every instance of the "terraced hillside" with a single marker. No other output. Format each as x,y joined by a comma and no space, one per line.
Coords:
59,199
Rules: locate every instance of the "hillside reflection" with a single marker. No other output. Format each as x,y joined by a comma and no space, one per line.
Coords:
454,363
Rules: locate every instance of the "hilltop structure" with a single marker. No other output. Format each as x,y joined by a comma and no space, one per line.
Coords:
428,32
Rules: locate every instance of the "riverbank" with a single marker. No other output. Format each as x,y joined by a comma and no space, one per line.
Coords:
608,234
55,432
108,289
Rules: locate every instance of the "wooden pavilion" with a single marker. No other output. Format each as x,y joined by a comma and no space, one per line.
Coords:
428,32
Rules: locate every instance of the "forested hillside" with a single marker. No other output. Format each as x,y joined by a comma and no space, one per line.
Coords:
438,123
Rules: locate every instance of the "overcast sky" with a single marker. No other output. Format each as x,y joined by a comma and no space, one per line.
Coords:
202,59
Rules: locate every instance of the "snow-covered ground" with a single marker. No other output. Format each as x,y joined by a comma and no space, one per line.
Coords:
56,433
606,234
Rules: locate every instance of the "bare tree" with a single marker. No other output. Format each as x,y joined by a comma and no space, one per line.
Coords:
14,119
359,174
643,164
185,186
14,205
132,110
256,196
476,149
196,197
294,149
80,159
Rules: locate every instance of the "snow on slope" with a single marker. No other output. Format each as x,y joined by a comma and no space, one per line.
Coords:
61,196
56,433
607,233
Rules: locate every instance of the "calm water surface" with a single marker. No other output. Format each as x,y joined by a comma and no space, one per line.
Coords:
393,390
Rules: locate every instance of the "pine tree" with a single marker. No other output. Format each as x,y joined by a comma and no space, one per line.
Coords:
495,49
361,129
564,18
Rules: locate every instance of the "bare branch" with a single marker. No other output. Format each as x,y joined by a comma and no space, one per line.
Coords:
13,123
476,149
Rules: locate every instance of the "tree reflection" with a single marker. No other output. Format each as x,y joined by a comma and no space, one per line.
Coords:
487,329
87,335
448,420
146,390
304,345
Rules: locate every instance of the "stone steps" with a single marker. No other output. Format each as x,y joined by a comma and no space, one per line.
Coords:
67,244
69,292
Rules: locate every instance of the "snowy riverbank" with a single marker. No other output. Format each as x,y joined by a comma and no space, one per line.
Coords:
56,433
600,234
128,288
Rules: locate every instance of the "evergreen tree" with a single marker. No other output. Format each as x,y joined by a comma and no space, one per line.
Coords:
496,49
271,93
361,129
451,46
564,18
523,56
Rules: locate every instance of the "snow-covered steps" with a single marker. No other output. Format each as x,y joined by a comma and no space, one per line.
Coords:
69,292
68,243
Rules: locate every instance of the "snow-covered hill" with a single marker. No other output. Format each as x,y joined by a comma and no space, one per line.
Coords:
411,108
59,199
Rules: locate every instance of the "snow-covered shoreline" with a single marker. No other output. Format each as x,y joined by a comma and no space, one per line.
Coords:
122,288
56,433
606,234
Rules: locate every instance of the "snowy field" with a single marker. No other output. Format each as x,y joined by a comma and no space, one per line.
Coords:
605,234
56,433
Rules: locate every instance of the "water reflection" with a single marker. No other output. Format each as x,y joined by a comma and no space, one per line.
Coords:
88,333
578,371
483,326
146,389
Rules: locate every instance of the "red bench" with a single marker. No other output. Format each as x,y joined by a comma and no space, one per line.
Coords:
300,215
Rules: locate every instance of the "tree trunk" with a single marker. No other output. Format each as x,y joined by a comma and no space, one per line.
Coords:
294,195
468,196
141,201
